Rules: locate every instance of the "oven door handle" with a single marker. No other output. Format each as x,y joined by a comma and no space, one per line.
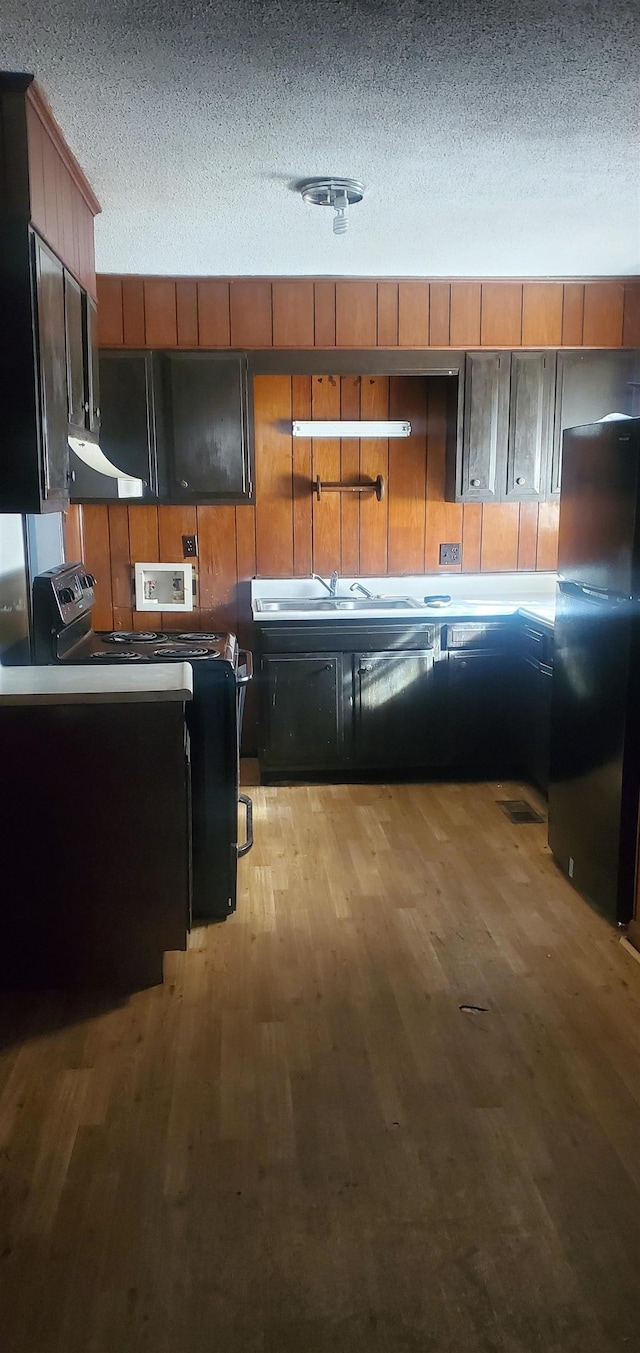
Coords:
245,660
248,842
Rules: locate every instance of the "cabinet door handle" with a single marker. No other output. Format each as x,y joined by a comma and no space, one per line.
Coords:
521,481
184,483
366,667
328,667
475,483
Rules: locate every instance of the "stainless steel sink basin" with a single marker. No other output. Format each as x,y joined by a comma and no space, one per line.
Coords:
284,604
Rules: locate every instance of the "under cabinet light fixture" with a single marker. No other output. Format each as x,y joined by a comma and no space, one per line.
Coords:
336,428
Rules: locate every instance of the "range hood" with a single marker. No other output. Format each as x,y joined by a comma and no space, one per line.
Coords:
87,448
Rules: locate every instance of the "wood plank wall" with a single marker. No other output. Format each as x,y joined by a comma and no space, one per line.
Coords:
288,532
213,312
285,533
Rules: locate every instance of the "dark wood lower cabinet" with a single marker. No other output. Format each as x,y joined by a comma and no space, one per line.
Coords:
480,714
302,711
534,717
98,886
467,700
400,710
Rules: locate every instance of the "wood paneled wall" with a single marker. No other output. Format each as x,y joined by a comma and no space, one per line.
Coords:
41,181
289,532
366,313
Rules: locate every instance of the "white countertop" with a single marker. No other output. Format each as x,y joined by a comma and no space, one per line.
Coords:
68,685
474,596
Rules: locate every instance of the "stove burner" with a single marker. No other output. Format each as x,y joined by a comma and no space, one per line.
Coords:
171,651
200,638
119,657
132,637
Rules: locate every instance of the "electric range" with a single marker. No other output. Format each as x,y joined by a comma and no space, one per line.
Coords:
62,602
154,646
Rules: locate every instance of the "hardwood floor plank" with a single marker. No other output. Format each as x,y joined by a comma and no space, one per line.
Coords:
301,1141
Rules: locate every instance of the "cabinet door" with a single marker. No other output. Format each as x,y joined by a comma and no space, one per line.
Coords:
400,710
532,716
480,688
302,711
482,464
52,364
207,427
92,359
127,432
530,425
542,759
77,374
588,386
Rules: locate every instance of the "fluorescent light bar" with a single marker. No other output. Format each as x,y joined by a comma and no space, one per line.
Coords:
336,428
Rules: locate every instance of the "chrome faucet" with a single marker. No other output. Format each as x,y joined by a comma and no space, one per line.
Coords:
332,585
358,587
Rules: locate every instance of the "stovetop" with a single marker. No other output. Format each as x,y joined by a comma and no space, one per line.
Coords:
125,646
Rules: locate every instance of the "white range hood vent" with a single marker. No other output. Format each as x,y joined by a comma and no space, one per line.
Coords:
89,451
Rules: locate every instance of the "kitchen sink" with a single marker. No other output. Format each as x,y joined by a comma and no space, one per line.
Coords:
312,604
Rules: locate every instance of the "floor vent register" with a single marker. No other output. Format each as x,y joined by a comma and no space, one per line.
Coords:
518,810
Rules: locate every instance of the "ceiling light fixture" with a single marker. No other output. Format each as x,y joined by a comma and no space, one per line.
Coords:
335,427
333,192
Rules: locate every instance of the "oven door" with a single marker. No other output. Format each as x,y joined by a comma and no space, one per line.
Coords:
243,677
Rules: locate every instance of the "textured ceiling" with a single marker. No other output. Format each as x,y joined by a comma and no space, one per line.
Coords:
494,139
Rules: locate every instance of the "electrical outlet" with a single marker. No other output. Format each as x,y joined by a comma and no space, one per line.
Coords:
450,554
189,547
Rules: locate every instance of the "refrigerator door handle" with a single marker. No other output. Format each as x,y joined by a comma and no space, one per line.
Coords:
590,593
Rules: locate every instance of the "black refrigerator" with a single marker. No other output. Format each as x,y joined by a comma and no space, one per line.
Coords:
595,748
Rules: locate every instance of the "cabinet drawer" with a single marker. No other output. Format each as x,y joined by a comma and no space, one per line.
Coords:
493,634
537,644
303,636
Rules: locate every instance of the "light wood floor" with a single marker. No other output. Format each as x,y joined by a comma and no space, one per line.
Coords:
301,1143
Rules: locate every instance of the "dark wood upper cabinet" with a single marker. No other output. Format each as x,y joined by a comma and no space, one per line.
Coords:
207,427
77,373
52,371
516,407
49,385
530,425
481,460
590,385
90,316
127,432
177,421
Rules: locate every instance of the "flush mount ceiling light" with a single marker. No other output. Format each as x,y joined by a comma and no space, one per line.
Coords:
337,428
333,192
